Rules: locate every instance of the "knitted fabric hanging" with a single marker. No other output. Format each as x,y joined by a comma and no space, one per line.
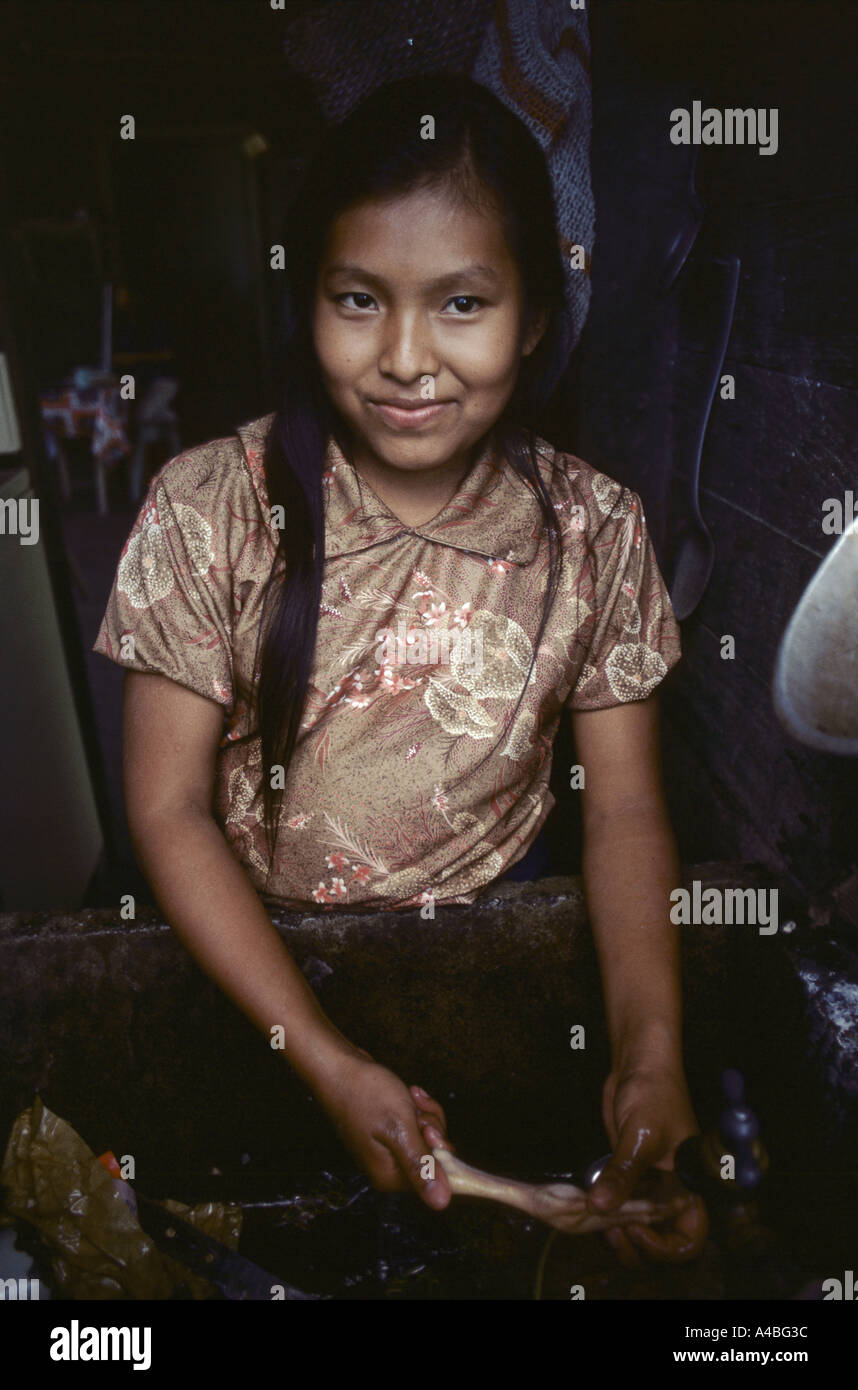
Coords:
534,56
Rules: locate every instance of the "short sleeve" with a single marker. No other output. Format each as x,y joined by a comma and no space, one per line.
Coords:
170,609
634,637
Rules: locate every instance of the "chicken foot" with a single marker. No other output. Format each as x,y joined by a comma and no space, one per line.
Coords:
558,1204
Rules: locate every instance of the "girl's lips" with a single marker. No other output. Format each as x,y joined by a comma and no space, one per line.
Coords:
403,418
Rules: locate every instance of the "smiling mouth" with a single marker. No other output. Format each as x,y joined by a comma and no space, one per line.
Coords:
410,416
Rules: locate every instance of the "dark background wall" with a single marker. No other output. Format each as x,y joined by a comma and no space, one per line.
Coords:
739,786
185,214
184,210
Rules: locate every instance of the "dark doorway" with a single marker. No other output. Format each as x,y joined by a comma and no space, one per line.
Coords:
186,205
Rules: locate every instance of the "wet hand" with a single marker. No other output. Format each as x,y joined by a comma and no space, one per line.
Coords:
647,1113
384,1124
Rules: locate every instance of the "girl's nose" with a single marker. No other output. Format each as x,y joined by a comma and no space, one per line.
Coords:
407,349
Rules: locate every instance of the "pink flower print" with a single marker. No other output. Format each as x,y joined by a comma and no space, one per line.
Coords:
299,822
435,613
338,889
344,589
629,589
353,681
498,566
440,802
320,894
362,873
422,578
221,691
394,683
392,655
462,616
337,861
413,751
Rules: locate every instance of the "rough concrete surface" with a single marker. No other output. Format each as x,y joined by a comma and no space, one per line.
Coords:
122,1034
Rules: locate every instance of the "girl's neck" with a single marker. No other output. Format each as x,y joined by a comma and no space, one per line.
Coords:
414,497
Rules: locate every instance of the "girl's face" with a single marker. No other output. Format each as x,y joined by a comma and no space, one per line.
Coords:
419,327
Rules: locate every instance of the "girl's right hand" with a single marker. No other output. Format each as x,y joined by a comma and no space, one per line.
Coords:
379,1119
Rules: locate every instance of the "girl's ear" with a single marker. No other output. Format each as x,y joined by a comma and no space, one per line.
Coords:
537,324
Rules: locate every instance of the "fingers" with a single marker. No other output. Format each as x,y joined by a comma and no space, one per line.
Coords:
432,1123
636,1149
407,1144
429,1110
431,1120
678,1243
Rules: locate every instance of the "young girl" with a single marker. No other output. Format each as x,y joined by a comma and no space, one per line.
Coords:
352,629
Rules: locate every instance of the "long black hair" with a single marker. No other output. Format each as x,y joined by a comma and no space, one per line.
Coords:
481,149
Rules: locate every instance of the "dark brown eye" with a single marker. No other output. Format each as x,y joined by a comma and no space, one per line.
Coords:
466,303
356,295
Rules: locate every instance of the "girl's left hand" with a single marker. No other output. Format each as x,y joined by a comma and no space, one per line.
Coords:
647,1113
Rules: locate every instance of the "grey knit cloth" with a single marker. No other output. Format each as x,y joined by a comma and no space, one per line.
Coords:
347,49
533,54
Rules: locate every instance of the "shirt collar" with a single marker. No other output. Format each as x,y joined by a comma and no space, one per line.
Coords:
493,513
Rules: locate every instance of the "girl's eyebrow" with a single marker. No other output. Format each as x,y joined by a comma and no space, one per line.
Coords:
454,277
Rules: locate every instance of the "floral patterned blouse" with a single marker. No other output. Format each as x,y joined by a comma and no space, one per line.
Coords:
424,642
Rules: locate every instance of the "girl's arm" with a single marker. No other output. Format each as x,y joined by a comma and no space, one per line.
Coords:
171,737
630,866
